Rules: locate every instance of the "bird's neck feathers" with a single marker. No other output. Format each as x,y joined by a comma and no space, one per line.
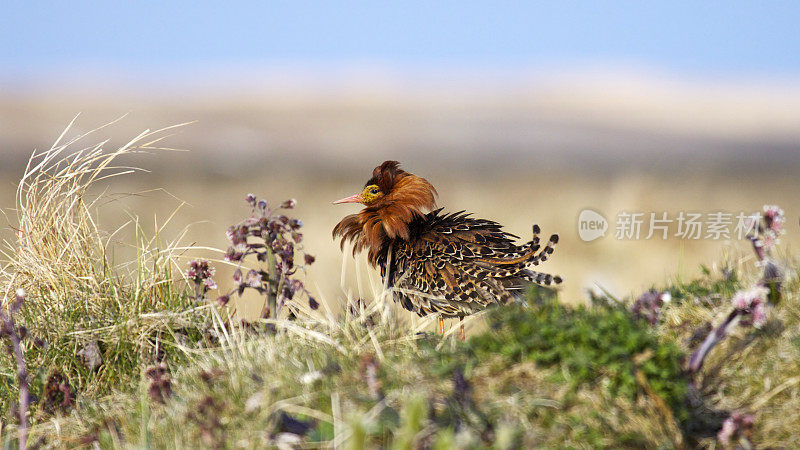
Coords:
389,218
411,196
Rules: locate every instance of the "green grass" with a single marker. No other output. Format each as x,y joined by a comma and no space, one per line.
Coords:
539,375
426,390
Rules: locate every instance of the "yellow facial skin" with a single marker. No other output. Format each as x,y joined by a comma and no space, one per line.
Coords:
371,194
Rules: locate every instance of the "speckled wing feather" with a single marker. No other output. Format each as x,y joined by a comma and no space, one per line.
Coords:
457,265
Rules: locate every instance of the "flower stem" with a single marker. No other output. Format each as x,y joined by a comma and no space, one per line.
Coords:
272,294
713,338
22,375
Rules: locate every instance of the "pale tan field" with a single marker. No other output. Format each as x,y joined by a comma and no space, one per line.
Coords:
622,267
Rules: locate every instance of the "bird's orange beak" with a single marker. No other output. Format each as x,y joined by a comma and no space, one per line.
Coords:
352,199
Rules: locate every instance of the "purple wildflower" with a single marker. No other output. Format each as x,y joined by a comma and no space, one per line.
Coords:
160,389
200,269
274,239
253,279
223,299
735,425
751,304
768,230
774,219
767,241
199,273
765,236
232,256
726,432
648,305
297,285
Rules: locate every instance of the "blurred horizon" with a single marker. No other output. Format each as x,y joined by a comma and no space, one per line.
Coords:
591,121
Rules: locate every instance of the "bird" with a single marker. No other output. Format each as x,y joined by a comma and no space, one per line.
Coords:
449,264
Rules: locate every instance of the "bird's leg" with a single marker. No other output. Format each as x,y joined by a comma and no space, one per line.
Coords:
461,334
441,325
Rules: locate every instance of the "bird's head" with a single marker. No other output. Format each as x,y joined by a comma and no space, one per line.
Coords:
369,196
390,185
393,197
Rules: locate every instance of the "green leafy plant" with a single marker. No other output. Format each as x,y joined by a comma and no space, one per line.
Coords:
600,344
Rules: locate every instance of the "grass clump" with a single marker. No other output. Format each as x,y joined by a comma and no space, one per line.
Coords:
98,321
599,345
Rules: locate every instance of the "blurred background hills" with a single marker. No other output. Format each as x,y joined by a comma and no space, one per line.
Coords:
597,122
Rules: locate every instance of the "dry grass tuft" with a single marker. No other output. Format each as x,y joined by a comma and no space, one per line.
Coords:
55,224
98,317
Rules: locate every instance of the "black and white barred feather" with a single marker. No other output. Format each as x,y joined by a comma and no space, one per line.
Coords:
456,265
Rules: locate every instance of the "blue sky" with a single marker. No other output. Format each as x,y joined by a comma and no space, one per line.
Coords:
732,37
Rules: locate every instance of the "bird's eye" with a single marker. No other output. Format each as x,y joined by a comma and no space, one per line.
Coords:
373,191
